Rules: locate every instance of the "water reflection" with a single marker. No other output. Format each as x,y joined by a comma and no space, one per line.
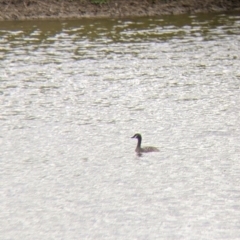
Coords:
72,94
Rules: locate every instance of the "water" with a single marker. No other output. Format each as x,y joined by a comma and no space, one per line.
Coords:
72,94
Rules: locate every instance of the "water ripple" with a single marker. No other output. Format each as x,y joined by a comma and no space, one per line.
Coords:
73,93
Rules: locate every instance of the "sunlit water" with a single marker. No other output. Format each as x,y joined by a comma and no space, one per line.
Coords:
73,93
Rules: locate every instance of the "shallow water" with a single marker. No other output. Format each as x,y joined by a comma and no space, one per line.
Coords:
72,94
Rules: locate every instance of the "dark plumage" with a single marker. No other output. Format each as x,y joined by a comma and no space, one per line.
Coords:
140,149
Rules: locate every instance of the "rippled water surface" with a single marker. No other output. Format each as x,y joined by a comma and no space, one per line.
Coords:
73,93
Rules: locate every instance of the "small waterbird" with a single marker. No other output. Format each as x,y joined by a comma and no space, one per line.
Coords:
140,149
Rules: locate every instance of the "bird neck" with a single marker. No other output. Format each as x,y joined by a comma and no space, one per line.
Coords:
139,142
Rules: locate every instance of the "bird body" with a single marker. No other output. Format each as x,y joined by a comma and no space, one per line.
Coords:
140,149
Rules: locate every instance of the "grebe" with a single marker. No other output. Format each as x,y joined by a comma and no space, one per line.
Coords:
140,149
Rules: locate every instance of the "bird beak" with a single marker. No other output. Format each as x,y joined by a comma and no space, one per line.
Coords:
133,136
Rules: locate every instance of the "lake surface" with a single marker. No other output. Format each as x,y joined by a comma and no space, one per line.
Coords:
72,95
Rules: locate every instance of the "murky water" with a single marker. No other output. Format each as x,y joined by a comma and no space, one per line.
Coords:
72,94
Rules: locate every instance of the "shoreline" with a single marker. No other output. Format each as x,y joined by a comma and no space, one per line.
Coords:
77,9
